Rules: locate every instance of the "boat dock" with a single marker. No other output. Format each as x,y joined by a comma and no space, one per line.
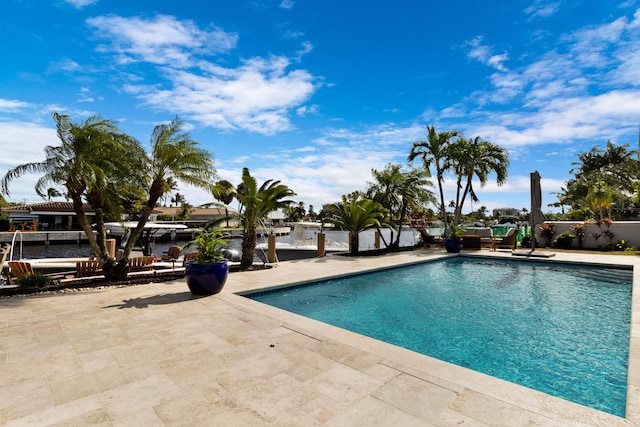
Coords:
45,237
261,231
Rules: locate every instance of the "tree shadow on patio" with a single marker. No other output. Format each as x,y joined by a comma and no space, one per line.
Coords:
155,300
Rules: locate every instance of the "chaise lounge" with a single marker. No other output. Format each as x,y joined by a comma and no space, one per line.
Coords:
508,241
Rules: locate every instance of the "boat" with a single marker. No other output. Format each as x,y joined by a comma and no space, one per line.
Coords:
303,242
155,230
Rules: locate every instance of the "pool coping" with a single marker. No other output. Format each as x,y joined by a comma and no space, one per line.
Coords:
457,378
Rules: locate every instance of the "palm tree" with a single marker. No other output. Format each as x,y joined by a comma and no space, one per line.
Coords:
172,186
356,214
93,159
600,198
255,204
52,192
400,192
469,158
177,199
295,212
433,151
224,192
174,157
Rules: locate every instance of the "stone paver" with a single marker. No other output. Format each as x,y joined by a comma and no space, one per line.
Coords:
154,355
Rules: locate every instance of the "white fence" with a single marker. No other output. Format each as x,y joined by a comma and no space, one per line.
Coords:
596,235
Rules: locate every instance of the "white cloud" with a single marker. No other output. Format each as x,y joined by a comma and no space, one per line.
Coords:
484,54
541,9
27,141
12,105
571,93
160,40
255,96
287,4
66,65
79,4
306,110
306,48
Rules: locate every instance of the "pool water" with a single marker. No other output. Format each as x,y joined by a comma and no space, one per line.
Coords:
560,329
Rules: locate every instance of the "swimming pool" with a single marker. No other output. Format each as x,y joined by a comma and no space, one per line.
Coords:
560,329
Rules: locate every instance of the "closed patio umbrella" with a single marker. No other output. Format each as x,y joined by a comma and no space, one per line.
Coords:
536,216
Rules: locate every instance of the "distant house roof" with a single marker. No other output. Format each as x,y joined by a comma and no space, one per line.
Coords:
194,213
46,208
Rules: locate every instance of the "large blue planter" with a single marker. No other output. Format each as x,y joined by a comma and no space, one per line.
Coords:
453,245
206,278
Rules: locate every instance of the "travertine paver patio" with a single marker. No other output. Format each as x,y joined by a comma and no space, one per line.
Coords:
153,355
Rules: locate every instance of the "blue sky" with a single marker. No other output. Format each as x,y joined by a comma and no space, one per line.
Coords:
317,93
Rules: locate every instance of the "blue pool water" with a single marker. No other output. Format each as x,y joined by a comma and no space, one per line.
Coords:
560,329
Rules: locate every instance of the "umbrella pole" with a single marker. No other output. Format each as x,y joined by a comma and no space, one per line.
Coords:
533,238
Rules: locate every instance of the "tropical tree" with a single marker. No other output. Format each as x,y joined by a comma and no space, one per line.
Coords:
175,157
295,212
93,159
173,186
52,193
312,214
400,192
433,151
255,204
177,199
185,211
356,214
224,192
613,166
600,197
470,158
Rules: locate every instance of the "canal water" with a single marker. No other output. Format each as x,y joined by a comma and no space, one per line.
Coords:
75,250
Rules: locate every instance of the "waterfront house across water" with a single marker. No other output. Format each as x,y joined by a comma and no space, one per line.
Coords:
45,216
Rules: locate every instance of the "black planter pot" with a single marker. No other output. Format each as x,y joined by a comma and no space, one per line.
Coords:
453,245
206,278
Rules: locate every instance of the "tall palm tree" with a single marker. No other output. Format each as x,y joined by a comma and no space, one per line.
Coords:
400,192
433,152
255,204
224,192
175,156
93,158
459,159
356,214
475,158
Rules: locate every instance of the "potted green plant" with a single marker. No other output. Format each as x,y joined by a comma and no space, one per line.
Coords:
207,274
453,239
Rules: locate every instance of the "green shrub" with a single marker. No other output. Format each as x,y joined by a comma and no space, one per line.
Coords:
35,280
618,246
564,240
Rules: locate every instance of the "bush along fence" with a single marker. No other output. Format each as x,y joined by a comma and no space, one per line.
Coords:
607,235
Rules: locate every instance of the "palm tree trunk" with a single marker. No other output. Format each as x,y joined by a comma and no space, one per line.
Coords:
248,246
462,199
443,207
355,242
